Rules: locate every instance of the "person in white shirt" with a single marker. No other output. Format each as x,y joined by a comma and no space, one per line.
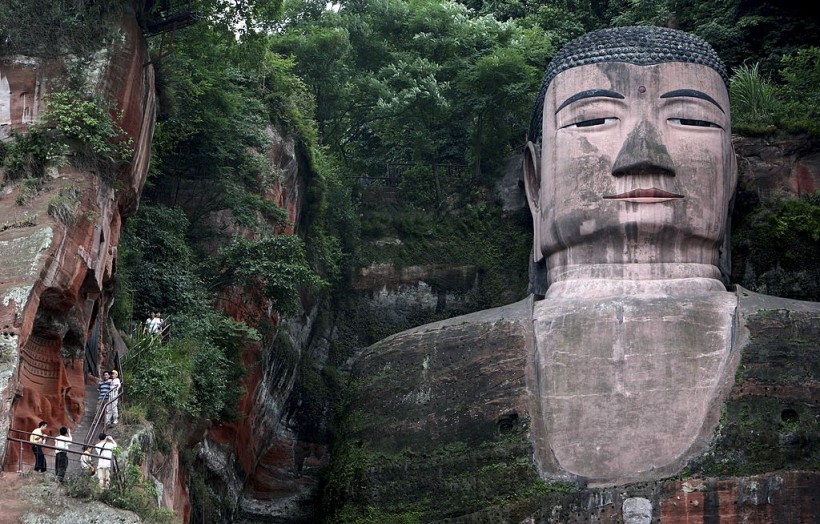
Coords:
153,324
61,459
105,448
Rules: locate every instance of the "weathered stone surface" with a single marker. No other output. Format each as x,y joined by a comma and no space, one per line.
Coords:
441,429
778,167
627,385
35,499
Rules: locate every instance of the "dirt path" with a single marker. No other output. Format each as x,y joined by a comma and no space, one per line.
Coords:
11,503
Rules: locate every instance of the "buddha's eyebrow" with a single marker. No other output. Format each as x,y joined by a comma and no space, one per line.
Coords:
589,94
693,93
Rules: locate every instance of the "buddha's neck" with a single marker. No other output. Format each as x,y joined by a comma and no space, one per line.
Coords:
608,280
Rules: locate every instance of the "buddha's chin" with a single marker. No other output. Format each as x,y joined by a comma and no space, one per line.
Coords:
645,244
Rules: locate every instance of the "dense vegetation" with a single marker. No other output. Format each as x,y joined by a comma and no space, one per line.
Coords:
437,91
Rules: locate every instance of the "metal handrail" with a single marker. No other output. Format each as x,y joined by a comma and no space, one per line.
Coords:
47,446
100,414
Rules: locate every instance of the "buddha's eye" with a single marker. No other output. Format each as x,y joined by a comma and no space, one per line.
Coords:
593,122
692,122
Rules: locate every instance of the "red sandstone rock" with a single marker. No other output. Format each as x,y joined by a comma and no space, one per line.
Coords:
56,275
779,168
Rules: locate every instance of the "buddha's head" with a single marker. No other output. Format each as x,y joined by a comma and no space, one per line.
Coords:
629,160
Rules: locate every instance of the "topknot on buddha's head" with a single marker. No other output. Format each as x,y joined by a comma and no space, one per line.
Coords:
640,45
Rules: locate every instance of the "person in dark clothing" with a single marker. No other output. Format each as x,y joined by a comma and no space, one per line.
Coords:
61,459
104,387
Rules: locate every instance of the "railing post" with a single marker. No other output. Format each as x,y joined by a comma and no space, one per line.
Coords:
20,461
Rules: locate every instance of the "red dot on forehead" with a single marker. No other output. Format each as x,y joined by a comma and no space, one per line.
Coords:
641,89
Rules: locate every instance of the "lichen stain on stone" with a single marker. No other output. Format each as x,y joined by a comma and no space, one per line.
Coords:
8,352
21,256
421,396
19,295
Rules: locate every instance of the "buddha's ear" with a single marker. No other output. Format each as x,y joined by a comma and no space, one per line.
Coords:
532,186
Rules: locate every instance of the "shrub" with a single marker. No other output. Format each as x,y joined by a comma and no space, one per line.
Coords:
780,243
74,127
275,264
753,98
157,374
86,127
54,27
27,154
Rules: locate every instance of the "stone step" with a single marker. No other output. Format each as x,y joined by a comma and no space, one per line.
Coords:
80,432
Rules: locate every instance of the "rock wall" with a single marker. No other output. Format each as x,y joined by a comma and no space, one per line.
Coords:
781,167
57,275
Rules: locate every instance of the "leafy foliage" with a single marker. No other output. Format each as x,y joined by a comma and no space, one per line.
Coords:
213,133
74,128
421,81
780,243
801,90
198,370
56,27
27,155
275,264
156,373
86,126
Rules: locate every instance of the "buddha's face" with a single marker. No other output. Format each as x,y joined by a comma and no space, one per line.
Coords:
636,166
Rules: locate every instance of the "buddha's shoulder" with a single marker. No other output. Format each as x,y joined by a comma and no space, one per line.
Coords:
781,329
753,304
518,313
504,330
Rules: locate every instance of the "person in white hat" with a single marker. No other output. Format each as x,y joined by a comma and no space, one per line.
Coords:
112,412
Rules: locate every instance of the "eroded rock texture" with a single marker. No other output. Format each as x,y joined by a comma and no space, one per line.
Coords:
58,267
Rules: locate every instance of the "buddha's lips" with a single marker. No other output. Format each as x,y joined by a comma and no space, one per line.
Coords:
645,196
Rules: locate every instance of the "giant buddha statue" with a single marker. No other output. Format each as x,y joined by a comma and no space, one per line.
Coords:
618,379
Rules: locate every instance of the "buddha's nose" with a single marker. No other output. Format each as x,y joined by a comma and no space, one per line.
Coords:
643,153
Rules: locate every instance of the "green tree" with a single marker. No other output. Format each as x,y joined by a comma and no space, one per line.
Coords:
392,80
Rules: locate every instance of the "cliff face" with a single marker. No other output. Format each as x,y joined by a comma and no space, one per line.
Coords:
58,269
260,465
778,167
56,279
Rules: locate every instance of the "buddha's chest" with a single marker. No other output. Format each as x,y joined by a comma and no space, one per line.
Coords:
629,386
